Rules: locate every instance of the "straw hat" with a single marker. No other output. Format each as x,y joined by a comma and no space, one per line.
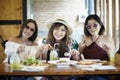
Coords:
60,21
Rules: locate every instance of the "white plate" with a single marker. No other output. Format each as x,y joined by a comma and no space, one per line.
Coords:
33,68
95,65
107,67
94,60
66,63
83,66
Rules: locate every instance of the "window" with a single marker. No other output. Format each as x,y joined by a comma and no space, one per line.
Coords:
108,10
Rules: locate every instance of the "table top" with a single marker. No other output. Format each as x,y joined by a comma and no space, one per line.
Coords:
53,70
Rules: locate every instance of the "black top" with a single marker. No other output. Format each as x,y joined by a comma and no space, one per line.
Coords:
93,51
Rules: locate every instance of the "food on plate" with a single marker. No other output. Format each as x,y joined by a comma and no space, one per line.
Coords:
85,62
43,64
104,62
34,62
62,61
40,64
30,61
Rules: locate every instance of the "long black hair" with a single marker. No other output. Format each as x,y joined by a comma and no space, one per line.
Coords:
96,18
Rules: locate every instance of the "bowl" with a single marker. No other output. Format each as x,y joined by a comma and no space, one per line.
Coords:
64,59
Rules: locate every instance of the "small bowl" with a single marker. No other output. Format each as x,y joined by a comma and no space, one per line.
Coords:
64,59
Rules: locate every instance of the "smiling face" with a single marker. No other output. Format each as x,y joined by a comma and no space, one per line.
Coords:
28,30
93,27
59,33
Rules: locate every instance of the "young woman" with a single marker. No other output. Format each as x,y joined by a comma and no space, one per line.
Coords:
25,41
59,32
96,45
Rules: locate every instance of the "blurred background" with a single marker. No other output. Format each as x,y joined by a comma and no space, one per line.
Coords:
15,12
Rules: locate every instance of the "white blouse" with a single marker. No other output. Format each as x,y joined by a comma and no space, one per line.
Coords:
11,47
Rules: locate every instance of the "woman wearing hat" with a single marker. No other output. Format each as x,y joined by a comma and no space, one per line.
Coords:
59,32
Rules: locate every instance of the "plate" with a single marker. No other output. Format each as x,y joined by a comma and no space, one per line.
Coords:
83,66
107,67
89,61
96,65
33,68
94,60
63,63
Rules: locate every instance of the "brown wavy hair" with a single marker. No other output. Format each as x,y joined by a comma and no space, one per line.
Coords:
34,36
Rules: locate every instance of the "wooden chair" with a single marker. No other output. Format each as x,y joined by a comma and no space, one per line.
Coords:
3,41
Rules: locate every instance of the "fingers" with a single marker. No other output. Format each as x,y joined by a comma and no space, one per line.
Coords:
20,49
49,46
45,47
74,52
81,46
106,47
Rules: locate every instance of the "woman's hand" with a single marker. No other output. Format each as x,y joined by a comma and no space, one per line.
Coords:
20,49
81,46
75,54
43,49
105,46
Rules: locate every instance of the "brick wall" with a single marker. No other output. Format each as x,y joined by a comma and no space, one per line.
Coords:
47,10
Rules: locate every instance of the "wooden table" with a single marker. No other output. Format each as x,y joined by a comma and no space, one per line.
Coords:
53,70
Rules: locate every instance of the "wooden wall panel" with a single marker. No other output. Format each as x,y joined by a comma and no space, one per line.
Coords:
7,31
10,9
